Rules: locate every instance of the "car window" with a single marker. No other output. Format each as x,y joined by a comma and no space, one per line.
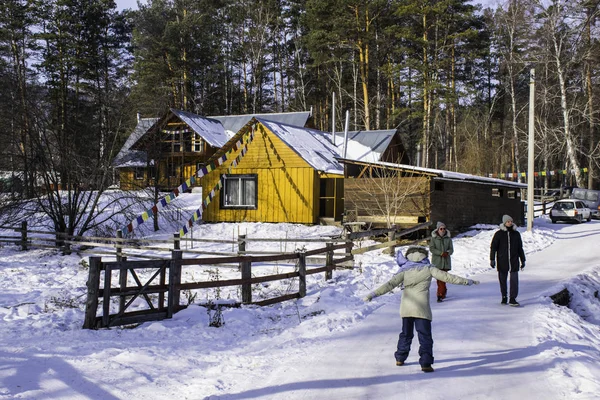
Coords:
580,205
565,205
592,196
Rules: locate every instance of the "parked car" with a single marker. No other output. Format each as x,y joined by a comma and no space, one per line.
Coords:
557,194
570,210
591,198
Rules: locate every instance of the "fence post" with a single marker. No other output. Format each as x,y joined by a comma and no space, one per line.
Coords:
118,245
174,282
122,284
24,235
349,246
329,262
246,269
66,246
176,242
391,239
93,285
302,274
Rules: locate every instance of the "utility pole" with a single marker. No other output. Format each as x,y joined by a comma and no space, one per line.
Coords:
530,155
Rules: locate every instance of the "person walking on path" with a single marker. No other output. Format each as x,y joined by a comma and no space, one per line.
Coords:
416,273
441,249
506,250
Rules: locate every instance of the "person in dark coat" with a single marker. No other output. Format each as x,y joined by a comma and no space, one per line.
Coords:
506,251
441,249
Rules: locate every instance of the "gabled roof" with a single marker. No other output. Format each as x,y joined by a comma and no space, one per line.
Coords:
363,145
233,123
307,143
209,129
134,158
320,154
439,173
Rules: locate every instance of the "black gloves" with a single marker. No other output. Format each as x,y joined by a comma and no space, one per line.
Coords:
522,265
492,263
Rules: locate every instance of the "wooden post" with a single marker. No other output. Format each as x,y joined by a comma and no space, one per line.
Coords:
349,246
176,242
106,297
122,284
302,274
24,235
118,246
246,269
174,282
93,285
66,246
391,239
329,262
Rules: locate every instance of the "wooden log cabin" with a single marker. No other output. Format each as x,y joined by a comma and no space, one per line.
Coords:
384,194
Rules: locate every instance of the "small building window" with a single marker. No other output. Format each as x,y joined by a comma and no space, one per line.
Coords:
512,194
438,186
196,143
138,173
497,192
240,191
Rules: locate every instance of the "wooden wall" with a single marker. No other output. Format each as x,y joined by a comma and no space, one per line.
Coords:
288,187
463,204
365,198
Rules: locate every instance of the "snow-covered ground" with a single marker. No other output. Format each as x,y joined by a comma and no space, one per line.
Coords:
328,345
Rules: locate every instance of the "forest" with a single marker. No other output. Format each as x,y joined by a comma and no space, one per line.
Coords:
452,76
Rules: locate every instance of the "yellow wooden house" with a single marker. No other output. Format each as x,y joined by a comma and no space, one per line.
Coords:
273,172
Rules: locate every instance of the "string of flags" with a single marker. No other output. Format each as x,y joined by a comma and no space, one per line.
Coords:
186,228
162,203
537,174
174,132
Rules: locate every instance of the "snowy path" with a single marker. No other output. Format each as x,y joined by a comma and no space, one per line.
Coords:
490,351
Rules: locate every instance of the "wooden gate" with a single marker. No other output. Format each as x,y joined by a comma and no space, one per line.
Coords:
128,290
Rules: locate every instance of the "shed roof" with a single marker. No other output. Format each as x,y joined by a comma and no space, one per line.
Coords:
362,145
439,173
233,123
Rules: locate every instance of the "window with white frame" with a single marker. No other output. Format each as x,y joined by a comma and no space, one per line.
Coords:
239,191
196,143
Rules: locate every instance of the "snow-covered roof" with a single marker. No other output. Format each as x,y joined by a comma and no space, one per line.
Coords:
134,158
362,145
320,154
440,173
233,123
209,129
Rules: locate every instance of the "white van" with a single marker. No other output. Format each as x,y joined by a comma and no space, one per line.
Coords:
591,198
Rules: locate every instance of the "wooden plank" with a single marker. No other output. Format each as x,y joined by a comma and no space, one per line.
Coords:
376,232
277,299
93,285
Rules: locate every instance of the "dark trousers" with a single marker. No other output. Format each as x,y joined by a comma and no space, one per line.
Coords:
514,283
423,327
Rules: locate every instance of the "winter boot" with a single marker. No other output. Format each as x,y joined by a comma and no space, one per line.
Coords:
514,303
399,363
427,368
440,299
504,300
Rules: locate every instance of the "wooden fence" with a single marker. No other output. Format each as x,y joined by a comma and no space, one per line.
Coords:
162,291
162,295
